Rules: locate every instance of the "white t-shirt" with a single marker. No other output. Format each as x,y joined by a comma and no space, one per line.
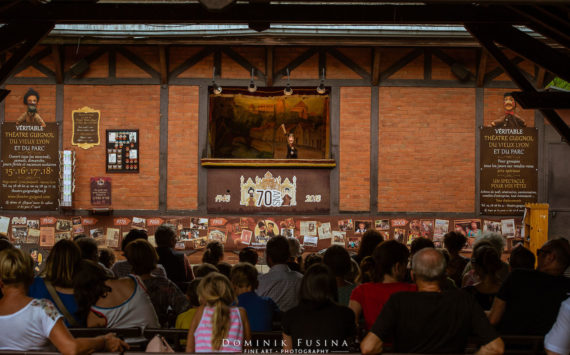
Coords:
29,328
558,338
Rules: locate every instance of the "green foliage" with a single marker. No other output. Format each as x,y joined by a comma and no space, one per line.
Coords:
559,84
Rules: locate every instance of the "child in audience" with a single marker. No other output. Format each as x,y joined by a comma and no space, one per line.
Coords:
184,319
260,310
217,327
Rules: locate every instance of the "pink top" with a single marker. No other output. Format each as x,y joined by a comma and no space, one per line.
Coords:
232,343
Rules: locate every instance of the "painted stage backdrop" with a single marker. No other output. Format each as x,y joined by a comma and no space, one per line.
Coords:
249,125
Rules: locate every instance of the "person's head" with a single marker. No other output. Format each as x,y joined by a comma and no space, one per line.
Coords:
486,261
215,290
428,265
133,234
5,244
79,236
311,259
244,277
370,239
142,256
214,253
474,226
277,251
89,285
390,258
361,225
106,257
553,257
318,285
294,248
521,258
354,273
165,236
61,263
338,260
497,241
291,138
248,255
16,268
224,268
367,270
204,269
419,244
88,248
454,242
509,102
192,292
31,97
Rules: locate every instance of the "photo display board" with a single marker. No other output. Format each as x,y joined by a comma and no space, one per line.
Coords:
122,151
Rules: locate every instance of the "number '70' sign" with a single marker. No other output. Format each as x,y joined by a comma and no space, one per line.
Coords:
268,198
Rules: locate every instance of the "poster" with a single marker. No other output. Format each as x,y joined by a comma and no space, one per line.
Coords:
85,127
509,170
100,191
30,167
122,151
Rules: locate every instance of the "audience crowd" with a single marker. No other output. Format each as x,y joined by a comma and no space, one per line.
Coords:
417,300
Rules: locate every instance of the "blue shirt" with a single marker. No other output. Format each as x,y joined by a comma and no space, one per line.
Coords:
260,311
39,290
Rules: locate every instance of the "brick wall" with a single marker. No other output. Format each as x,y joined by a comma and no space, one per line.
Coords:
354,164
183,156
426,150
121,106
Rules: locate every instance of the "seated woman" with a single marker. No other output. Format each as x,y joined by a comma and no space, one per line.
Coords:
167,299
487,264
318,322
338,260
29,324
55,283
390,262
112,303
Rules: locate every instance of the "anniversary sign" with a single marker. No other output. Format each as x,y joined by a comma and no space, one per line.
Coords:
509,175
30,170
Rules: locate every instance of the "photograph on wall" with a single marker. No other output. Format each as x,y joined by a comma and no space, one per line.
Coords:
508,228
78,229
288,232
440,229
4,224
199,223
96,233
113,237
382,224
33,223
308,228
415,226
180,245
361,226
217,235
385,234
353,243
199,243
47,236
412,235
19,234
187,234
138,223
62,235
345,225
310,241
400,235
492,226
257,125
33,236
245,237
426,228
338,238
288,223
63,225
325,231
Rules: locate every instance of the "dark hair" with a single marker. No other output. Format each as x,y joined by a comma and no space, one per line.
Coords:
561,249
454,241
79,236
244,275
31,92
420,243
486,261
204,269
214,252
133,234
318,285
370,239
248,255
338,260
521,258
5,244
224,269
165,235
277,250
367,270
142,256
192,292
386,255
88,248
106,257
89,286
311,259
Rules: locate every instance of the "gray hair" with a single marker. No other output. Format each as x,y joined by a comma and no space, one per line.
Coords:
294,247
496,239
429,265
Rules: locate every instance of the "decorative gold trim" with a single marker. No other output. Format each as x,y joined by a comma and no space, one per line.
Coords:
86,145
268,163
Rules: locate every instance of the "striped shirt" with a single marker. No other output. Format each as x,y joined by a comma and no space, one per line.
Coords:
232,343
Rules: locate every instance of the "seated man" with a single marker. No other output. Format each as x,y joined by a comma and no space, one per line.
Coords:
529,300
431,321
